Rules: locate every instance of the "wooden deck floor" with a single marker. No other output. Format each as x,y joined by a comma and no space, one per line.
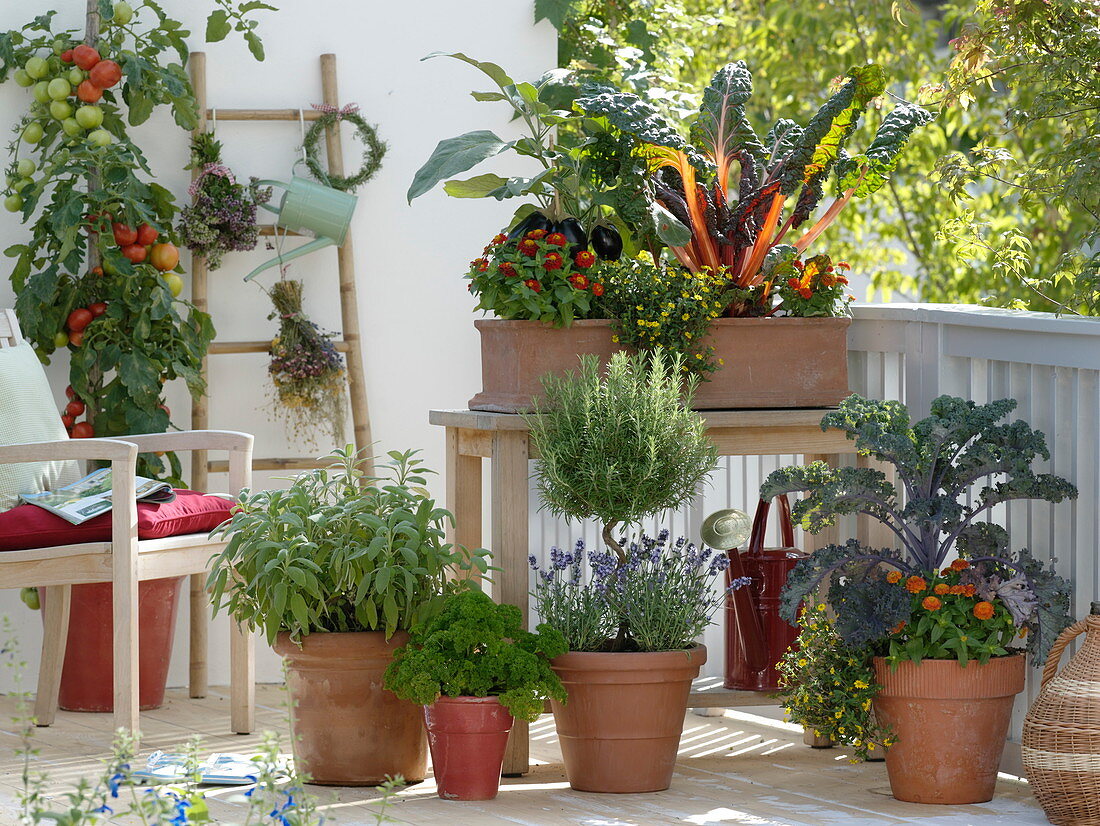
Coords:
734,769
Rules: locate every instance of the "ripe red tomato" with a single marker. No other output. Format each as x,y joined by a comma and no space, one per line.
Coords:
135,253
97,309
105,74
67,420
76,339
83,430
88,92
164,257
75,408
67,56
69,392
85,56
97,271
78,320
146,235
124,235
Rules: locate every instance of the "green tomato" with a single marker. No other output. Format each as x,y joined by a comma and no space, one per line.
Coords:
61,109
124,13
76,76
25,168
37,67
42,91
59,88
23,79
71,128
100,137
60,340
21,184
174,284
59,46
13,203
30,598
109,268
89,117
33,132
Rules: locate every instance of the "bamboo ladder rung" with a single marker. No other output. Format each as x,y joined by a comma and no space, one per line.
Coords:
268,231
263,114
292,463
218,348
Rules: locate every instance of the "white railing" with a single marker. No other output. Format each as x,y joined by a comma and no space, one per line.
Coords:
915,352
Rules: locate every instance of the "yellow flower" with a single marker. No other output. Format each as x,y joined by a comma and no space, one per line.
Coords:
838,714
860,684
802,662
685,317
821,606
615,339
687,335
870,747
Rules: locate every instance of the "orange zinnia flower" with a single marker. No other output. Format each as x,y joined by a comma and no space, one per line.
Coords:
931,603
941,588
915,584
969,590
894,577
960,565
897,628
984,610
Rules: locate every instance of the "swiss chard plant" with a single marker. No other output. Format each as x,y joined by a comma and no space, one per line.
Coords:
939,461
724,199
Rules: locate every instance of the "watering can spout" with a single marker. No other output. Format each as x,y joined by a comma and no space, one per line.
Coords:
305,249
307,206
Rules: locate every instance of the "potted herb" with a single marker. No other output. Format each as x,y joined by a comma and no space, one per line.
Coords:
617,445
474,667
713,201
335,569
941,635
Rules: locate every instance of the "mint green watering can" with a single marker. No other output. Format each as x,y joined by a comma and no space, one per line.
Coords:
307,206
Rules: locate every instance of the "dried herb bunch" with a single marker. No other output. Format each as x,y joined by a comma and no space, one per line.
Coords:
306,369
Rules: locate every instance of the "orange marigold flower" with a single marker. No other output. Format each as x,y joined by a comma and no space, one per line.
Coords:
806,292
534,285
584,259
894,577
508,268
970,590
499,239
579,281
529,248
552,261
828,280
940,588
984,610
960,565
597,289
536,234
844,265
931,603
557,239
841,279
897,628
915,584
956,590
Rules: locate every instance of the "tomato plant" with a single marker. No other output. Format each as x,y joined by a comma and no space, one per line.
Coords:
80,184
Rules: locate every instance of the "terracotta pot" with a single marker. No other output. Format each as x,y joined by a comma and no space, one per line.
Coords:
349,730
769,362
467,737
87,675
620,729
950,723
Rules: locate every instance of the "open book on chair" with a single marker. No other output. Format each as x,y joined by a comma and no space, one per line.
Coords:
91,496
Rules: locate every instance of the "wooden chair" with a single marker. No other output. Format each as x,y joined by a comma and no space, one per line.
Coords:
124,561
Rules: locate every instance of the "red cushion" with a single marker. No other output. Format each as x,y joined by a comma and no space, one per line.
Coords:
28,526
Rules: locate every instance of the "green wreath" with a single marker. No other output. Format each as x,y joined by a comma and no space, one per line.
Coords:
374,147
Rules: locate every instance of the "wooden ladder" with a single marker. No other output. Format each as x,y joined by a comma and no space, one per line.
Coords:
349,343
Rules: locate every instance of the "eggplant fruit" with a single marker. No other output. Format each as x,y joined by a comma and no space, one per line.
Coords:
536,220
574,233
607,243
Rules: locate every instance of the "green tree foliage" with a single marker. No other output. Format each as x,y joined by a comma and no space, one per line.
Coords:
997,195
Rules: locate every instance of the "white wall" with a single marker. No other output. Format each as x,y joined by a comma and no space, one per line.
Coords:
421,350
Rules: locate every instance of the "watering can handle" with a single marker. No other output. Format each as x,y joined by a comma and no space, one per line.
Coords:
305,249
268,206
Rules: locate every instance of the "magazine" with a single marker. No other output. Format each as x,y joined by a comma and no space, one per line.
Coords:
91,496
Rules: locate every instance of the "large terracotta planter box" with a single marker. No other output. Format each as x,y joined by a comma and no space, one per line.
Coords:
769,362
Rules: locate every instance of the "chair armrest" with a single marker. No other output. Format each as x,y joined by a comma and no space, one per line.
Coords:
191,440
113,450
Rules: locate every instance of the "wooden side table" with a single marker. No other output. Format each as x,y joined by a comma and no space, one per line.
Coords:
503,438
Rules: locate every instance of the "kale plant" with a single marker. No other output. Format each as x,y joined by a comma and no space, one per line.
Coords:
938,461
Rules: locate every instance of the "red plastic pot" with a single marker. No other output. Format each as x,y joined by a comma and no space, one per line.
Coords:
467,737
87,677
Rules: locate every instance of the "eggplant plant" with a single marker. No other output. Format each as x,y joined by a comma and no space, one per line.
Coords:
722,199
938,461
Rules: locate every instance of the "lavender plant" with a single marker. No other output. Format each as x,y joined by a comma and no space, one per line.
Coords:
222,215
661,598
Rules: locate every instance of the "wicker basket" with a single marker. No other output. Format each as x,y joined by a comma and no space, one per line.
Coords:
1061,743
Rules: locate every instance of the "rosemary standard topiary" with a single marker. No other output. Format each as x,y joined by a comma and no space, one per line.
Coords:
915,610
620,444
476,648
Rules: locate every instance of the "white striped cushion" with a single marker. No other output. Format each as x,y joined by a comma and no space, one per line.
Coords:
28,413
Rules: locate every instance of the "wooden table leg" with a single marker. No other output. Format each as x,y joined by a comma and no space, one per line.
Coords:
509,518
199,607
463,494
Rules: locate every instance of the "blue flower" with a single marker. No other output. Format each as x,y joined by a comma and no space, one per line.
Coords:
117,779
533,561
